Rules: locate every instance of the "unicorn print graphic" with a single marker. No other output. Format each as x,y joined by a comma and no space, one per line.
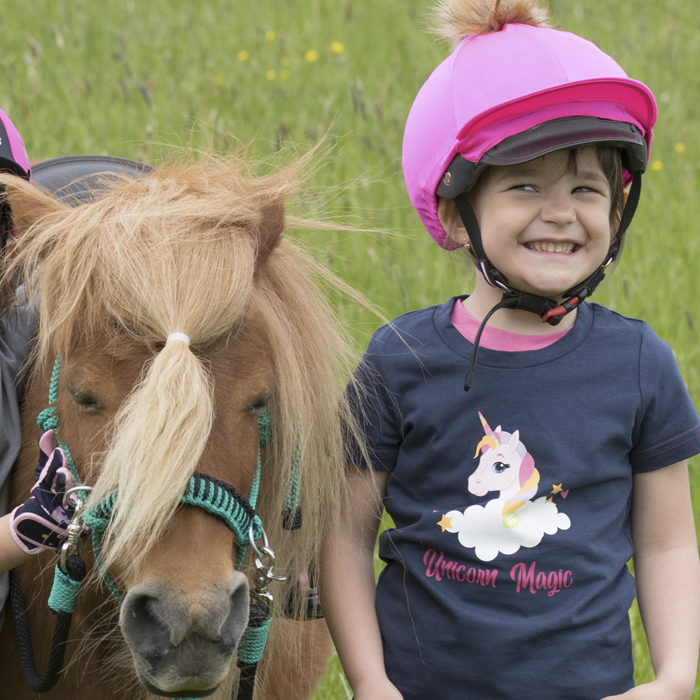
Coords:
512,519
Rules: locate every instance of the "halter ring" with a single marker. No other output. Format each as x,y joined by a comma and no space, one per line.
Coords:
72,499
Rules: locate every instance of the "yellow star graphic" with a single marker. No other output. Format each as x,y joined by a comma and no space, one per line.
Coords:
550,500
445,522
556,488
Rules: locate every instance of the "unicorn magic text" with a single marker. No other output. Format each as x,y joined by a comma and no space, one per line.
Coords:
526,578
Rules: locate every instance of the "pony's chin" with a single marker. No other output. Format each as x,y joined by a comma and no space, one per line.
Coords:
180,693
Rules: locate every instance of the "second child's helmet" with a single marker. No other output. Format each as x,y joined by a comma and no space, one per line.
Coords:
13,159
515,89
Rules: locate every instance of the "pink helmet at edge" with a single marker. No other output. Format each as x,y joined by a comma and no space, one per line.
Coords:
13,155
510,96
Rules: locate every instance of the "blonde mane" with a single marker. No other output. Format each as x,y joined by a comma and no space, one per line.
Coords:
176,252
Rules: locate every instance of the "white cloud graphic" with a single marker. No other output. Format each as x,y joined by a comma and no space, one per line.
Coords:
482,527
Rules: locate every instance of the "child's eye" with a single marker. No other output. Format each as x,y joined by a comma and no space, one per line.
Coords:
524,188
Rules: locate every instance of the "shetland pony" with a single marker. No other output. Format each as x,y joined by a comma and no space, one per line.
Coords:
194,249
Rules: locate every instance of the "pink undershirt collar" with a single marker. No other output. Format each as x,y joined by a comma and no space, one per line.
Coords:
496,339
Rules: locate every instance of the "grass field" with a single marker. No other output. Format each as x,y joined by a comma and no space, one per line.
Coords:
135,79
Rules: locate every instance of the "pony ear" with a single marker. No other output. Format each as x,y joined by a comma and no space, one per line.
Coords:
29,204
269,231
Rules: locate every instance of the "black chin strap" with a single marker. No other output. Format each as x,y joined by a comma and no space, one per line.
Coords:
505,303
549,310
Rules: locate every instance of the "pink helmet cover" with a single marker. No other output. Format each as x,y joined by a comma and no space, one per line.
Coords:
12,151
499,84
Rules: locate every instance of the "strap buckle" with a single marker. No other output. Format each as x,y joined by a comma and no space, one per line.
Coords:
264,571
75,529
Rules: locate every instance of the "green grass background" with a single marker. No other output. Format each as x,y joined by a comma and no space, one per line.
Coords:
133,78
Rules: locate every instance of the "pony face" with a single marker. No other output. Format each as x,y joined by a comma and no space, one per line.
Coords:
181,622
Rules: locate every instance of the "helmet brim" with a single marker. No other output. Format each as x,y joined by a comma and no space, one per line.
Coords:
571,132
555,135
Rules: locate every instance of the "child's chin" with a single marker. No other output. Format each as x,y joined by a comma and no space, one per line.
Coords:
548,291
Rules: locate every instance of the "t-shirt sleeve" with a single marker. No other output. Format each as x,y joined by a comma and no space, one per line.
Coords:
668,428
376,410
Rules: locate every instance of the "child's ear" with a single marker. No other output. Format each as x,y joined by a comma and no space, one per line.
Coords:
451,221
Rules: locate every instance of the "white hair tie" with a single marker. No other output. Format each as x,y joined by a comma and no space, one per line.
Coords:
178,336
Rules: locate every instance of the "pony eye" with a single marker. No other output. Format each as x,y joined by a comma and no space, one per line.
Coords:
500,467
260,403
84,399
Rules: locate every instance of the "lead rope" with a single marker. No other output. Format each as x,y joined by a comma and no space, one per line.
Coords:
66,582
203,491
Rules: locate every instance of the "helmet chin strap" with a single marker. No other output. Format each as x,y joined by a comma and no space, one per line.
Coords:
549,310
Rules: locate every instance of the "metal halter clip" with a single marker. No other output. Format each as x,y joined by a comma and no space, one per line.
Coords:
264,570
75,529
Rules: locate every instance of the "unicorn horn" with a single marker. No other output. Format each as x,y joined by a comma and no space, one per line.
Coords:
487,429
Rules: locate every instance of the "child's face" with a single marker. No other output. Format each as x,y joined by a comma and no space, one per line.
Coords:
545,227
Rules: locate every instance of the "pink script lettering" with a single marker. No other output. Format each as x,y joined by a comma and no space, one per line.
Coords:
553,582
438,567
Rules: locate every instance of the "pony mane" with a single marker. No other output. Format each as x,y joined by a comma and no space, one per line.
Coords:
134,262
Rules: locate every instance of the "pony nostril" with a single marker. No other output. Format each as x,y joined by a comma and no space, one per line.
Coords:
235,623
145,633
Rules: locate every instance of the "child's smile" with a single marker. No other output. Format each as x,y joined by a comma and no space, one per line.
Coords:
545,225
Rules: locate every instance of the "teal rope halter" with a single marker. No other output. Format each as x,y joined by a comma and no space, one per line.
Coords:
203,491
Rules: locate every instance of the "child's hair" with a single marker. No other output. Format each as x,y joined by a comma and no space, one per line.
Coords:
456,19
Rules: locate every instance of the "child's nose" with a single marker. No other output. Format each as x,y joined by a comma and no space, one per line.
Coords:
559,211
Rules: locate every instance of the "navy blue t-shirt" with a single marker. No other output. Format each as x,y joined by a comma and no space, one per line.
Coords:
506,572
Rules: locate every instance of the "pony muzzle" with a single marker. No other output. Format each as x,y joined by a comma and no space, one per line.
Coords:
182,642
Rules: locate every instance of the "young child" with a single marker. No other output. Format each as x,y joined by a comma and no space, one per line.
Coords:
518,503
40,522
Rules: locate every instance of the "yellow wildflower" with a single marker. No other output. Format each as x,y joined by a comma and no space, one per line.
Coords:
270,35
657,165
311,55
284,74
679,147
218,80
286,61
337,47
271,74
243,55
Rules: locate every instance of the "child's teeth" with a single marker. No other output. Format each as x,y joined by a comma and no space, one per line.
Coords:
552,247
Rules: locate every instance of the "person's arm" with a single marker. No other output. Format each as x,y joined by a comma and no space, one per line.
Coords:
10,553
348,590
667,573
